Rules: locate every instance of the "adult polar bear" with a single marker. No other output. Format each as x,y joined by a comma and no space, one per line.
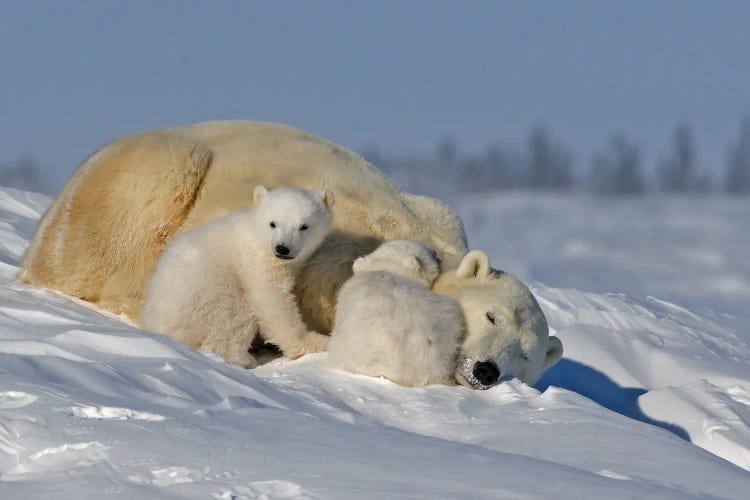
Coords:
100,239
102,236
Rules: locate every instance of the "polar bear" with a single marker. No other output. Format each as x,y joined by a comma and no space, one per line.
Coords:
217,286
388,323
101,238
506,331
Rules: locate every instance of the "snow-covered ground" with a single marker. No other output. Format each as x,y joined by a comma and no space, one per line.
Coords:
652,399
691,250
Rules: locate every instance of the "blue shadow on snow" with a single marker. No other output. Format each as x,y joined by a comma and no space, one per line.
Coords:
598,387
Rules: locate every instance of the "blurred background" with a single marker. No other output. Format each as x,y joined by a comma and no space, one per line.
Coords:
588,144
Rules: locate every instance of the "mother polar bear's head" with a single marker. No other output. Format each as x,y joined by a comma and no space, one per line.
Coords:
506,331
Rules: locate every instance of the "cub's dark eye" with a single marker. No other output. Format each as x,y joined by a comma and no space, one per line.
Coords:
525,357
491,318
273,224
303,227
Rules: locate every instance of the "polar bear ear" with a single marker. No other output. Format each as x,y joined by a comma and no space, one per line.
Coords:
413,263
358,263
259,193
328,198
475,264
554,352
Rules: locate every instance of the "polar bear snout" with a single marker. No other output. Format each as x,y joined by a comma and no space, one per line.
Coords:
486,372
479,375
282,252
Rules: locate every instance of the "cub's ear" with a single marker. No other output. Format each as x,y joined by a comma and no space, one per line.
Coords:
359,264
475,264
258,194
328,198
554,352
413,263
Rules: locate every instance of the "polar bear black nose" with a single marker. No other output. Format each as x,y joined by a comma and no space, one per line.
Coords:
486,372
282,250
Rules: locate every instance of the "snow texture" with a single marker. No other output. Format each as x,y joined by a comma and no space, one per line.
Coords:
651,399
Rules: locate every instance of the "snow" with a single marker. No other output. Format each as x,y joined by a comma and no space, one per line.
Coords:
652,397
688,250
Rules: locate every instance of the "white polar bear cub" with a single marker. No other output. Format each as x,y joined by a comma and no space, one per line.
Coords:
388,323
218,285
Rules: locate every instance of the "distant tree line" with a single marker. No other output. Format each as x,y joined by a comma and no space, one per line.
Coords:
25,173
544,163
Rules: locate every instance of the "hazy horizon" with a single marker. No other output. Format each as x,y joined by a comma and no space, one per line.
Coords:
398,76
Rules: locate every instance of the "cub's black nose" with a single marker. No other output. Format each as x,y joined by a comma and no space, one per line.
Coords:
486,372
282,250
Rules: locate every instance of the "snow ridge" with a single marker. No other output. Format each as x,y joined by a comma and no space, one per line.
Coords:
91,406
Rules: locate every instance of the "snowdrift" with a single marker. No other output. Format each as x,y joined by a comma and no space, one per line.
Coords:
650,399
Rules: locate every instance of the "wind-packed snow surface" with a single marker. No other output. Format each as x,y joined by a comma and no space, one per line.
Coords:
650,400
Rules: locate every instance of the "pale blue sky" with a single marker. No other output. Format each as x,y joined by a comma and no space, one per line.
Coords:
397,74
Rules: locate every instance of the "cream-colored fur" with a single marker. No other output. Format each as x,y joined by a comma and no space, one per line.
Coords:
504,324
388,322
216,287
438,212
101,238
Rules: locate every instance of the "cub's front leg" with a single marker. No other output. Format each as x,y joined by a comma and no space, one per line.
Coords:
270,294
234,350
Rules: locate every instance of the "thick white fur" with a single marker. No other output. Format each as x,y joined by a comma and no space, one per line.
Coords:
101,238
217,286
388,323
504,323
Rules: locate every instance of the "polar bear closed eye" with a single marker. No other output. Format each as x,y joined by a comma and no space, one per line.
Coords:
506,331
100,239
217,286
388,323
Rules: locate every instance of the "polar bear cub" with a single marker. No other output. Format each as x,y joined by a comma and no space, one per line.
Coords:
388,323
217,286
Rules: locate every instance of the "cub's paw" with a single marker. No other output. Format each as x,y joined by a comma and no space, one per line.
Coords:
316,342
309,343
243,359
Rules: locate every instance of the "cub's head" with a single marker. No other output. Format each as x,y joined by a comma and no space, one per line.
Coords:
292,222
506,331
406,258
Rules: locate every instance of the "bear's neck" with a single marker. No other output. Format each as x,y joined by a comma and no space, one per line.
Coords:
447,284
